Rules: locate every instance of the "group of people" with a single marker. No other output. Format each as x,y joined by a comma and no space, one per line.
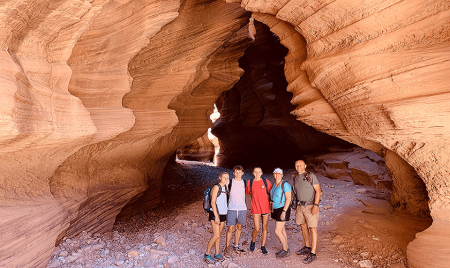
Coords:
228,205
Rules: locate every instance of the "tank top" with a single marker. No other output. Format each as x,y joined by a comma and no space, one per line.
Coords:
221,202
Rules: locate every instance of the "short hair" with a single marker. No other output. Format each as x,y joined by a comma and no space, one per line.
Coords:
238,167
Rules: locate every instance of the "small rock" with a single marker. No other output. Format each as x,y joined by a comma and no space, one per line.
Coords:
64,253
154,256
365,264
232,265
191,251
97,247
119,263
361,191
338,239
327,207
54,263
73,257
159,252
133,253
364,254
172,259
161,241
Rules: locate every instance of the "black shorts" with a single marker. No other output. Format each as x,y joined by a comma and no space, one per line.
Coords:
276,214
221,217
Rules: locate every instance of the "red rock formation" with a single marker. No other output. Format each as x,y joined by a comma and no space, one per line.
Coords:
96,96
368,84
256,127
202,149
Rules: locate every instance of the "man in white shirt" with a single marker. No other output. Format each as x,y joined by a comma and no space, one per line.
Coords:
237,211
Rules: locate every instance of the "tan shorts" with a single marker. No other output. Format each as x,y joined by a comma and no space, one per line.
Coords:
304,215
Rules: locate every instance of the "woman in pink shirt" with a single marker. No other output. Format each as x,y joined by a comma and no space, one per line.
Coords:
259,188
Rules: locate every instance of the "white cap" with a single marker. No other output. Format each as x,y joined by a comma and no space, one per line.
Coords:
278,170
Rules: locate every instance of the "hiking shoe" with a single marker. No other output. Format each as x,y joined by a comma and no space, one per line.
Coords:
252,246
227,252
278,252
284,253
304,251
238,250
209,259
264,250
219,257
310,258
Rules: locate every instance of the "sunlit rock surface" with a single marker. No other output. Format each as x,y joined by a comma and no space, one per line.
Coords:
96,96
202,149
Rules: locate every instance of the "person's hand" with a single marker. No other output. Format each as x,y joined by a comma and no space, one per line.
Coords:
283,216
217,220
315,209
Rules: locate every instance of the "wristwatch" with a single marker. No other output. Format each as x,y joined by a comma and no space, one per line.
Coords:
316,205
284,210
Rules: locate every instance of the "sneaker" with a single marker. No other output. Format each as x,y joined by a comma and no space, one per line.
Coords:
238,250
304,251
310,258
252,246
278,252
219,257
227,252
264,250
209,259
284,253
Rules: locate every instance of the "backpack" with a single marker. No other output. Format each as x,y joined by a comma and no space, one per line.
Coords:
282,192
207,197
265,185
294,200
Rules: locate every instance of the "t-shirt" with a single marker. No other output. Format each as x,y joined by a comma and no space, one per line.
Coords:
260,200
305,191
278,198
221,202
237,196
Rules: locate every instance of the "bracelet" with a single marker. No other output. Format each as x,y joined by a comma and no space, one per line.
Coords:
284,210
316,205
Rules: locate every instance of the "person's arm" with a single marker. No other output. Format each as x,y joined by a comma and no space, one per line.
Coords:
214,192
286,204
315,208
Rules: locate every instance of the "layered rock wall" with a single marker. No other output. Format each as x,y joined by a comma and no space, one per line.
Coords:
88,105
374,73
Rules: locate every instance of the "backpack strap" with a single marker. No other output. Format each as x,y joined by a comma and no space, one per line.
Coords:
282,192
265,185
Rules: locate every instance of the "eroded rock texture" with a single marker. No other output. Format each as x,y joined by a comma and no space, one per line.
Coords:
376,79
94,104
96,96
202,149
255,126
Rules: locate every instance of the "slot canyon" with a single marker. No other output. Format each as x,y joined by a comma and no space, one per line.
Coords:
100,99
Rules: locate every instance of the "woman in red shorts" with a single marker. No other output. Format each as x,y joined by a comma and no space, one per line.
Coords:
259,188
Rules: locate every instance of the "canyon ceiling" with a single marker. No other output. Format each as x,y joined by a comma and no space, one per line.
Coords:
97,95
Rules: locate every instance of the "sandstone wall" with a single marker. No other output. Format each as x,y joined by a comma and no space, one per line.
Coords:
255,126
87,92
374,73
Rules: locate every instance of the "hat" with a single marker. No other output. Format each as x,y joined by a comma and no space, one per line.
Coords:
278,170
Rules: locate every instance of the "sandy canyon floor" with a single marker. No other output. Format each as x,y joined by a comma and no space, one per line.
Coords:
357,228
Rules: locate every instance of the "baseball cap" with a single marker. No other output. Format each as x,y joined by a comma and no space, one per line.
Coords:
278,170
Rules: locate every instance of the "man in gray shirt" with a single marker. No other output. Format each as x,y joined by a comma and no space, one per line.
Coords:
307,190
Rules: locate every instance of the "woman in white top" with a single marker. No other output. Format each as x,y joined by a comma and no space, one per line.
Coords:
217,217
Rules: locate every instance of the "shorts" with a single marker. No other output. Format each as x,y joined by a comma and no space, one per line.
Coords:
236,217
276,214
222,218
303,215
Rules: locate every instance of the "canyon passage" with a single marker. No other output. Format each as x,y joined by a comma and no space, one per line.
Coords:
99,98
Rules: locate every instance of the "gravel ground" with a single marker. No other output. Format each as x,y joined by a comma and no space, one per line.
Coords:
357,228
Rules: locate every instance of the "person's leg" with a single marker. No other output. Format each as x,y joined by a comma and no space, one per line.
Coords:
279,226
305,233
217,242
229,235
212,241
257,223
314,238
237,234
265,221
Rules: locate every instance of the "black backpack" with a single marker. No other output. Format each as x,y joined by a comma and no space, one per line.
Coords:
207,197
